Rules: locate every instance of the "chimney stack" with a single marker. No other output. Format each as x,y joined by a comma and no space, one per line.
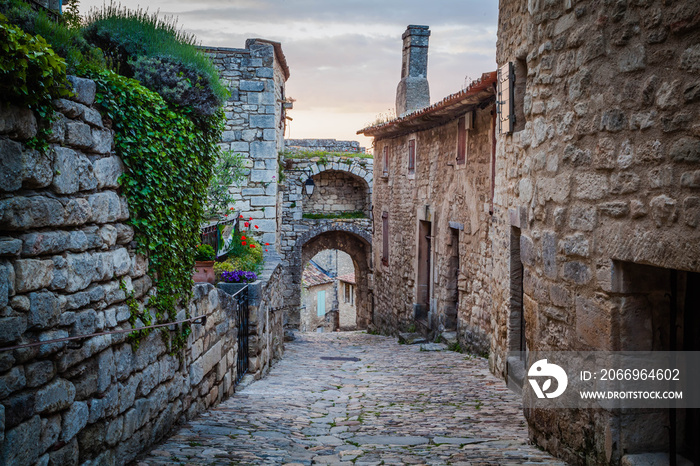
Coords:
413,92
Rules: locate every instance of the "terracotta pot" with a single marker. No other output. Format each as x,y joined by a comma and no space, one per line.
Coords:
203,272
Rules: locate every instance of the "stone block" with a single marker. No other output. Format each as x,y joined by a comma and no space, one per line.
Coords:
262,121
39,373
77,212
12,328
592,324
11,381
10,246
685,149
83,90
632,59
107,171
121,261
74,420
66,170
20,445
591,186
688,179
44,310
67,454
615,209
105,207
55,396
92,116
549,254
264,176
663,210
78,135
251,86
576,272
102,141
50,242
582,218
240,146
17,123
11,166
259,201
691,211
32,274
263,150
613,120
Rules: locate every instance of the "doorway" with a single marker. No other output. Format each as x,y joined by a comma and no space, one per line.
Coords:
424,267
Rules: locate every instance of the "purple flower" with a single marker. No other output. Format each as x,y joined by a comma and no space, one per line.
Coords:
238,276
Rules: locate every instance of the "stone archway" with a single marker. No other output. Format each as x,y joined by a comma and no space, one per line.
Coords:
348,237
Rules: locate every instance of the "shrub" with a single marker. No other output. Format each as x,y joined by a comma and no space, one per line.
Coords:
166,58
31,75
205,252
238,276
64,35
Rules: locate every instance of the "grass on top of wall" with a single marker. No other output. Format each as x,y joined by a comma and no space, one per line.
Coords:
324,155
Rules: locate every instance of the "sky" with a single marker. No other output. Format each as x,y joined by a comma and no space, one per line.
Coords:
345,55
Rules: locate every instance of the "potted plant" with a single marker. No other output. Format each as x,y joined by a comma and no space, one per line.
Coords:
204,264
233,281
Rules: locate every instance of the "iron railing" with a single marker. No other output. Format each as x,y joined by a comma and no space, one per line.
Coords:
241,303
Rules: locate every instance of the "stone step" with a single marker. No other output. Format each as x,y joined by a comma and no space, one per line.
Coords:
448,337
407,338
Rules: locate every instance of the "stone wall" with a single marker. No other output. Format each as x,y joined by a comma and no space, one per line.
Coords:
66,251
266,324
322,145
601,176
336,192
454,199
301,239
310,320
255,122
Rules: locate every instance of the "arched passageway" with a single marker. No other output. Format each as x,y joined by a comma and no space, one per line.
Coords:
346,237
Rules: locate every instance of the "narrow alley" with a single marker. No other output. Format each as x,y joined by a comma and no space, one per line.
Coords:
353,398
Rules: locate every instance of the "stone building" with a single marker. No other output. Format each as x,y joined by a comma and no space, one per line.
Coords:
581,209
347,294
255,123
431,207
597,197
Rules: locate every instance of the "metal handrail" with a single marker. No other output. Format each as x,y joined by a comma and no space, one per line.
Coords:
202,320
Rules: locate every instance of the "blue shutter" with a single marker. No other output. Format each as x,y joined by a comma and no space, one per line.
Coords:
321,303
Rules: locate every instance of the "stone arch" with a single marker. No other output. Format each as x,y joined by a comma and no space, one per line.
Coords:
348,237
352,168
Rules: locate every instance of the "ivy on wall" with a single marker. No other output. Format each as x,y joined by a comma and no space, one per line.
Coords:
169,157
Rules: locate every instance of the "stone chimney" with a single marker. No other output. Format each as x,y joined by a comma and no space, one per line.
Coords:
413,92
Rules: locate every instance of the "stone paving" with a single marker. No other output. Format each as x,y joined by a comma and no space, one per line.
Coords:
389,404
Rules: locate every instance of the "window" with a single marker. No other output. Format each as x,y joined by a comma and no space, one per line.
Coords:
463,125
349,294
321,303
412,157
385,169
385,238
504,99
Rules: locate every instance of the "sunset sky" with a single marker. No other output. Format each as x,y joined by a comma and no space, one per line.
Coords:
345,55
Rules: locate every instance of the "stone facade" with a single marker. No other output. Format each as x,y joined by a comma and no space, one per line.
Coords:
337,191
598,180
255,123
441,198
302,238
66,252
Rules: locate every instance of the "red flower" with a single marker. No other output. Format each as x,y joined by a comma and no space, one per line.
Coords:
241,216
242,237
243,243
267,244
256,226
231,208
265,250
246,224
252,245
251,218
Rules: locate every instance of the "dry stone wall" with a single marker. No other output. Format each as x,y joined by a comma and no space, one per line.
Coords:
322,145
602,172
67,263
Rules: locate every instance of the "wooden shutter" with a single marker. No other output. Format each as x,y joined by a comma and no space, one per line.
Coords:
412,156
321,303
385,169
461,141
505,98
385,238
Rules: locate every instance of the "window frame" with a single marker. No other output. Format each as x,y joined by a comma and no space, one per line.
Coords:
385,239
412,156
385,162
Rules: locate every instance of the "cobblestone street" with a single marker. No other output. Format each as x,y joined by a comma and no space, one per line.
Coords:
395,404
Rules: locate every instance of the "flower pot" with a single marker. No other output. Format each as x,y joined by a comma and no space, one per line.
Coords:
203,272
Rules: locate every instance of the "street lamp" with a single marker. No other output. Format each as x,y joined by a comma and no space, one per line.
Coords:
309,186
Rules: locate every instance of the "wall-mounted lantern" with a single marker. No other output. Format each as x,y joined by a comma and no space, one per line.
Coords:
309,186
